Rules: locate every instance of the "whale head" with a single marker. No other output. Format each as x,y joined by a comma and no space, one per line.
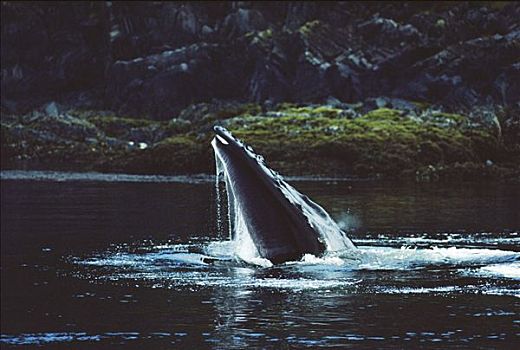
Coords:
282,223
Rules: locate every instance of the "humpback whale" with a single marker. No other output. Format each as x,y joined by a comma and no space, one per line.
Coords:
283,224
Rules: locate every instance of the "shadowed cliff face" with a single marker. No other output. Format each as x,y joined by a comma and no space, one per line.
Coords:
52,51
154,59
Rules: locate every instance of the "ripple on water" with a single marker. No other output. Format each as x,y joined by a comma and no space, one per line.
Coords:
47,338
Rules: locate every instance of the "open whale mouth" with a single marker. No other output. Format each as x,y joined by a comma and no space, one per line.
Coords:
280,223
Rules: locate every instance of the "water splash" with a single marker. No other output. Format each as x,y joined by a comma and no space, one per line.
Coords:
372,269
335,239
219,169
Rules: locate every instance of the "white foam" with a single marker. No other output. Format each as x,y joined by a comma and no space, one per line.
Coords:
509,270
386,258
443,239
309,259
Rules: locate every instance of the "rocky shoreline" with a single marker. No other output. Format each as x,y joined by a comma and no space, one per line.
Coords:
418,90
382,138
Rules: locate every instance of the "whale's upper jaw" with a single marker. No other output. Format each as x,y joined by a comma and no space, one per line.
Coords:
224,137
227,144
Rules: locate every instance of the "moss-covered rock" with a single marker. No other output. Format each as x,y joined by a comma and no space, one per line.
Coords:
118,127
384,141
174,155
73,138
309,27
315,139
292,110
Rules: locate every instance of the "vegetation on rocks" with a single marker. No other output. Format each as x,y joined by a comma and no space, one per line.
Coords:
315,139
416,90
381,142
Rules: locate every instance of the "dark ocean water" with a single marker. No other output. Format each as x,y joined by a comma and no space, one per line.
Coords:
100,261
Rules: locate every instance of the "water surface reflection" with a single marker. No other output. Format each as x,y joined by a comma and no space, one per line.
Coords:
96,264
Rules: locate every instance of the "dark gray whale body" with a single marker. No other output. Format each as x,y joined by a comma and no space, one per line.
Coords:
276,223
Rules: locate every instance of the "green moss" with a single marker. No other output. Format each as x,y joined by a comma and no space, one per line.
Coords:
440,23
266,34
178,126
184,143
285,105
116,126
25,143
294,140
384,114
178,154
383,141
260,36
292,110
180,151
309,27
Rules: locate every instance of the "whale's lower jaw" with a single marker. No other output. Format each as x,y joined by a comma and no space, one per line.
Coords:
277,225
277,230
